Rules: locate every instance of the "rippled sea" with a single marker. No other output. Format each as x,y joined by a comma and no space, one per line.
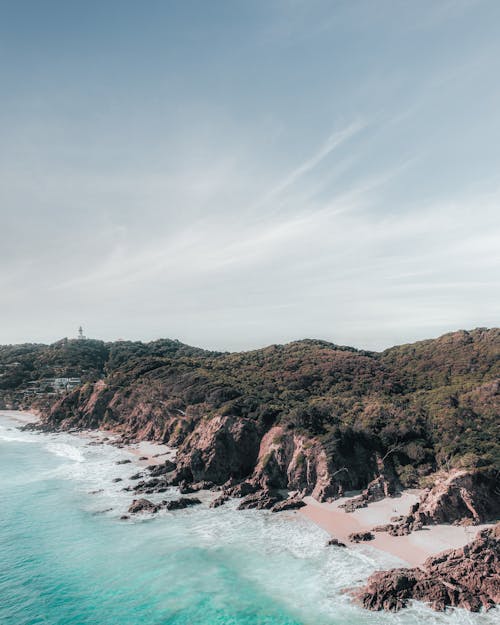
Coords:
66,557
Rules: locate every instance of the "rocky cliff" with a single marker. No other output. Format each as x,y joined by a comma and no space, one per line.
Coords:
460,497
309,416
465,578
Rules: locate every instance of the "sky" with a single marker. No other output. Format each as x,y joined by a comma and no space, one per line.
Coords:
235,174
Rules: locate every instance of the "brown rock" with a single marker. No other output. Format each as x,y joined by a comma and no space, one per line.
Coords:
335,542
376,490
179,504
358,537
467,578
160,469
460,497
292,503
218,449
143,505
221,500
242,489
262,500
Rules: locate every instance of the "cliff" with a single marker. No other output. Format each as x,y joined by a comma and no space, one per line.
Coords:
465,578
309,416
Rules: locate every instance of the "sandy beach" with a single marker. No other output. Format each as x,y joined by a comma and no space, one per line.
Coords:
145,452
19,416
412,549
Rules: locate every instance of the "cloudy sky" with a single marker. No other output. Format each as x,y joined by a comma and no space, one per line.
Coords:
235,173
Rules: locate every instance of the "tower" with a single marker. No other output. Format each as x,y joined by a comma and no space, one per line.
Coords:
80,333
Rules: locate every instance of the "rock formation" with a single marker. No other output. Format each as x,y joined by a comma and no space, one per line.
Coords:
460,497
466,578
219,449
377,489
144,505
359,537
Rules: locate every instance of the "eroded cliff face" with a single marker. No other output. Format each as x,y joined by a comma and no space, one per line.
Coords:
219,449
288,460
135,413
460,497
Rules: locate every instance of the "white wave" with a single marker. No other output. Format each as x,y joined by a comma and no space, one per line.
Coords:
14,435
65,450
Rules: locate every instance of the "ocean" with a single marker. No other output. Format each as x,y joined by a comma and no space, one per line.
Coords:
66,558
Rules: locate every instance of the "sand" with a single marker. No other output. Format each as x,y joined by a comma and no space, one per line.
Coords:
20,417
152,453
413,549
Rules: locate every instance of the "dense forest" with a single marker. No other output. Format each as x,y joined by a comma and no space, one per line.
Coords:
429,405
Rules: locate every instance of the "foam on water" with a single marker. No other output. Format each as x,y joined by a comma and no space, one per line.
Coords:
62,564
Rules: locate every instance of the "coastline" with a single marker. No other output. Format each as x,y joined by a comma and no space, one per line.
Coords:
413,549
20,416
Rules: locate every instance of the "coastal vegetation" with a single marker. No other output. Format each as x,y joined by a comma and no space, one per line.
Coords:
425,406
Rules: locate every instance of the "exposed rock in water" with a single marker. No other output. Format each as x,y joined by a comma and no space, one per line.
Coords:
185,487
143,505
241,490
465,578
127,461
220,501
358,537
292,503
179,504
335,542
160,469
262,500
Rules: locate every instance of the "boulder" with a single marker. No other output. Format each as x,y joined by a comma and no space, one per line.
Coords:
359,537
241,490
262,500
459,497
335,542
143,505
292,503
376,490
156,470
221,500
179,504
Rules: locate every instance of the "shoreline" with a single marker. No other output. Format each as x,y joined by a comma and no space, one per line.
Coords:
412,549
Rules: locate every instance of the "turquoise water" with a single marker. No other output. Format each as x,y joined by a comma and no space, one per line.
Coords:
67,558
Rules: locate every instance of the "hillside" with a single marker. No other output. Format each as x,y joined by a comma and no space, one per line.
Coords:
311,408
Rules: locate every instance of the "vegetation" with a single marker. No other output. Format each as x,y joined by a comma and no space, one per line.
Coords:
427,405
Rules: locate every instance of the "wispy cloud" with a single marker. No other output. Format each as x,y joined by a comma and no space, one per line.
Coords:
334,141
